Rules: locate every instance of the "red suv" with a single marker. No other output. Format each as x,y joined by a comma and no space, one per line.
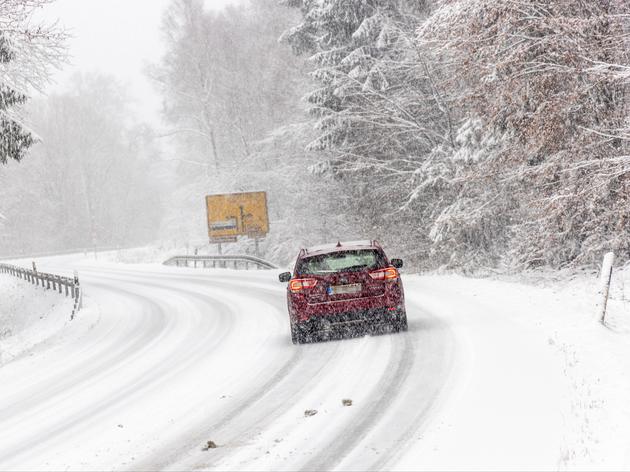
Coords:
344,285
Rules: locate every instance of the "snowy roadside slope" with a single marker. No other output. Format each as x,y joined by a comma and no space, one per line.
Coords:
545,385
29,315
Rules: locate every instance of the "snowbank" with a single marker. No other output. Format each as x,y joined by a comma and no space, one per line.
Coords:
542,384
28,316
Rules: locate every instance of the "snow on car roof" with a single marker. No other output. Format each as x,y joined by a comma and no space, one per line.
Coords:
344,245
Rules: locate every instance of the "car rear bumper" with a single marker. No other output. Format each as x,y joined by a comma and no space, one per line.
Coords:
348,319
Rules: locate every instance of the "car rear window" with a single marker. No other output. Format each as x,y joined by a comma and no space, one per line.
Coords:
341,261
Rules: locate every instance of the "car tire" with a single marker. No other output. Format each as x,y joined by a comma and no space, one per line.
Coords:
296,334
401,323
299,335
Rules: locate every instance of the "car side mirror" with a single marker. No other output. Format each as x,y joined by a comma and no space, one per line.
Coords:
397,263
285,276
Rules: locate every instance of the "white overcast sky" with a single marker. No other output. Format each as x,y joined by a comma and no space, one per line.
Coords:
117,37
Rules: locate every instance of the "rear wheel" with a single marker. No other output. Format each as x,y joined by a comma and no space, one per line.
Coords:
296,337
298,334
401,323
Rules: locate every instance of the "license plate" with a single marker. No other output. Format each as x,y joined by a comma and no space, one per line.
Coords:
343,289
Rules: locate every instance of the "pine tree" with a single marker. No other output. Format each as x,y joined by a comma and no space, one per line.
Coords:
379,111
28,50
359,51
14,139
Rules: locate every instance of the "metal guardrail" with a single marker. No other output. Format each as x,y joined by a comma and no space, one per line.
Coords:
70,286
220,261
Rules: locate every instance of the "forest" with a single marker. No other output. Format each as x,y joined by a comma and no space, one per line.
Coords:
464,135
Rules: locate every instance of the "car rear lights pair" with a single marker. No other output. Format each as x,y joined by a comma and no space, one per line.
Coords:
385,274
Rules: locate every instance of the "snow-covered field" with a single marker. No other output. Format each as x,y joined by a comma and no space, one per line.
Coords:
491,375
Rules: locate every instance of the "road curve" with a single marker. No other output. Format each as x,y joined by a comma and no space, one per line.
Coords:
163,360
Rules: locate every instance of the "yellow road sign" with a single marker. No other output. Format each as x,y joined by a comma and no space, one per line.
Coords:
237,214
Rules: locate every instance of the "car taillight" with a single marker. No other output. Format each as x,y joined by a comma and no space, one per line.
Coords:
297,285
385,274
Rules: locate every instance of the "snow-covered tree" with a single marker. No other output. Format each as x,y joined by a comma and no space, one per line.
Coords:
498,132
14,139
27,52
380,112
362,58
542,80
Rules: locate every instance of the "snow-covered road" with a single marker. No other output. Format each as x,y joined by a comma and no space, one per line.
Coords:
490,376
163,360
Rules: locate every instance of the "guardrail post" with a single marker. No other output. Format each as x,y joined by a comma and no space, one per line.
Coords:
76,294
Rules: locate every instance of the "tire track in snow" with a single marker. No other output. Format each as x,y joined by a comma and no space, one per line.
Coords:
395,376
423,408
265,416
402,362
193,441
395,415
181,446
101,363
349,437
72,385
256,409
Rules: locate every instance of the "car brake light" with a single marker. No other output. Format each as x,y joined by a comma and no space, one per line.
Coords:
296,285
385,274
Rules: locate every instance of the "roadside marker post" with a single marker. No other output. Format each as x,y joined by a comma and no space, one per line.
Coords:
604,286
